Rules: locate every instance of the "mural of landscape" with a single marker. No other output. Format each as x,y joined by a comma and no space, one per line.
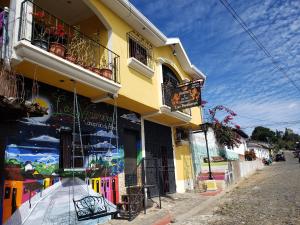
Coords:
36,145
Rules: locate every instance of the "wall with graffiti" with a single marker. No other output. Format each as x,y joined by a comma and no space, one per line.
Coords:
39,149
39,144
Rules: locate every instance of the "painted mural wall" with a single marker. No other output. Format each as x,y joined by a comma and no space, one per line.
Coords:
35,149
199,149
37,145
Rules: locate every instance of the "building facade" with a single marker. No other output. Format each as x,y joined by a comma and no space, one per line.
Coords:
104,73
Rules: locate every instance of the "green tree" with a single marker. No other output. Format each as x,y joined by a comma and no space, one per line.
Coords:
263,134
279,139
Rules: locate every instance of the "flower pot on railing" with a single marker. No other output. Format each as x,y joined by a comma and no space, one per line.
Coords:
57,49
41,43
107,73
58,39
40,30
71,58
96,70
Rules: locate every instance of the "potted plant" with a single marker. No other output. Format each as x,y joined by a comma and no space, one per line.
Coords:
58,40
105,70
73,48
40,30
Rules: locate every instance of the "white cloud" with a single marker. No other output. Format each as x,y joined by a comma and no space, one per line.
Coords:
104,144
103,133
45,138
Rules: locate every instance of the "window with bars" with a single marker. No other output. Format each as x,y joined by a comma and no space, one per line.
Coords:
139,49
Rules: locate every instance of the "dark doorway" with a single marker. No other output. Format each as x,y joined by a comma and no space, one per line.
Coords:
165,170
65,160
130,151
14,200
159,162
66,150
98,186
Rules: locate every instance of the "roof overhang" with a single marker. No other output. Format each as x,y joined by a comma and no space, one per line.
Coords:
184,60
137,20
142,25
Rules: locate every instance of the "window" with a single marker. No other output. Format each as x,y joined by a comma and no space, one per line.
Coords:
169,81
139,48
7,192
169,77
137,51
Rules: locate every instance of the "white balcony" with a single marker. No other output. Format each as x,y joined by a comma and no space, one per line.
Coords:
28,52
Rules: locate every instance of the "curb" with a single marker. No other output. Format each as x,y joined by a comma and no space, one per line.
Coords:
164,220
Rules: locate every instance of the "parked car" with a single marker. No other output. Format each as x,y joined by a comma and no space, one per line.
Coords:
280,157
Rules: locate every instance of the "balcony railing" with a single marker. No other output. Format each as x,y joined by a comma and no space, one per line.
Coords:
52,34
166,98
3,33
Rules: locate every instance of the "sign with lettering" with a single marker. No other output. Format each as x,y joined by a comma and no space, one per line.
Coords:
186,95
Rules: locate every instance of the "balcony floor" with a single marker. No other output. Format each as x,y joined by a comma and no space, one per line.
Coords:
51,69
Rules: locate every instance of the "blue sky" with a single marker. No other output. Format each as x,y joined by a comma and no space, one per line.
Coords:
239,75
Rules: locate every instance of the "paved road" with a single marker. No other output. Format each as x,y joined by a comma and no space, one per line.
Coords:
269,197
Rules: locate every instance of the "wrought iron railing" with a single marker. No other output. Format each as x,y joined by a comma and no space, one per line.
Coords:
166,98
52,34
140,49
3,33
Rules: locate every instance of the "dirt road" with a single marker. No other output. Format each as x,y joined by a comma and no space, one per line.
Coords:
269,197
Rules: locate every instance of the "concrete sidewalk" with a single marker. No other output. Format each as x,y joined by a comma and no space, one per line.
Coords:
175,208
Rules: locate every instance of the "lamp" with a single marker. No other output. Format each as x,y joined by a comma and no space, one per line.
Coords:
204,128
174,50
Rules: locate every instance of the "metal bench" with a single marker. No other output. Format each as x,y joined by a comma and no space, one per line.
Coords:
91,207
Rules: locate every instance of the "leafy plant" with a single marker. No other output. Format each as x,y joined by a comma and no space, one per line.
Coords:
58,34
224,129
41,24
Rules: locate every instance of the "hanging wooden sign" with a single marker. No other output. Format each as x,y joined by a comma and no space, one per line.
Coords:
186,95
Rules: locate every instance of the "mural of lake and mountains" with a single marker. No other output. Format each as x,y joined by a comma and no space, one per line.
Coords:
36,145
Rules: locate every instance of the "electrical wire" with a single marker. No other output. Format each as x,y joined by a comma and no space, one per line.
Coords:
238,19
272,124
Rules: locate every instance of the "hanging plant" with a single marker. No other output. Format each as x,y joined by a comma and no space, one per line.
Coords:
224,129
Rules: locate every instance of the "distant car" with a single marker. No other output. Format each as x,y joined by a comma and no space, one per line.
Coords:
279,157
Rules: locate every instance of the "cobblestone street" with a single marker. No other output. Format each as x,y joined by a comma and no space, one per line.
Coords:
269,197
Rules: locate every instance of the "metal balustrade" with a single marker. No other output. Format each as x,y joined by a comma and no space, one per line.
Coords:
52,34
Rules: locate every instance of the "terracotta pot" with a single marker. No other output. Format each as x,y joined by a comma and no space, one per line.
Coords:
71,58
107,73
57,49
96,70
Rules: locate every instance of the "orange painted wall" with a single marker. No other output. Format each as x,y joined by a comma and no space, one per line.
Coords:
7,202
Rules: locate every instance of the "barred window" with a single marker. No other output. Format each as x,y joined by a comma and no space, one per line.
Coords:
139,49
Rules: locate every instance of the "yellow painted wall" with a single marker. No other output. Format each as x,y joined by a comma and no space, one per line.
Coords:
134,85
196,116
184,166
95,29
166,53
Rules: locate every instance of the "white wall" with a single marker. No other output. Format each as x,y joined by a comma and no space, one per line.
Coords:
241,148
249,167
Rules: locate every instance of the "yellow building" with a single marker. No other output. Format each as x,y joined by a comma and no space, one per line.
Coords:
114,56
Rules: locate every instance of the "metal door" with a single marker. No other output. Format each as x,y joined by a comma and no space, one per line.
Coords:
159,162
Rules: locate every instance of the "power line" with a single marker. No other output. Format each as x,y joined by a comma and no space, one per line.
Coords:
237,18
277,123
